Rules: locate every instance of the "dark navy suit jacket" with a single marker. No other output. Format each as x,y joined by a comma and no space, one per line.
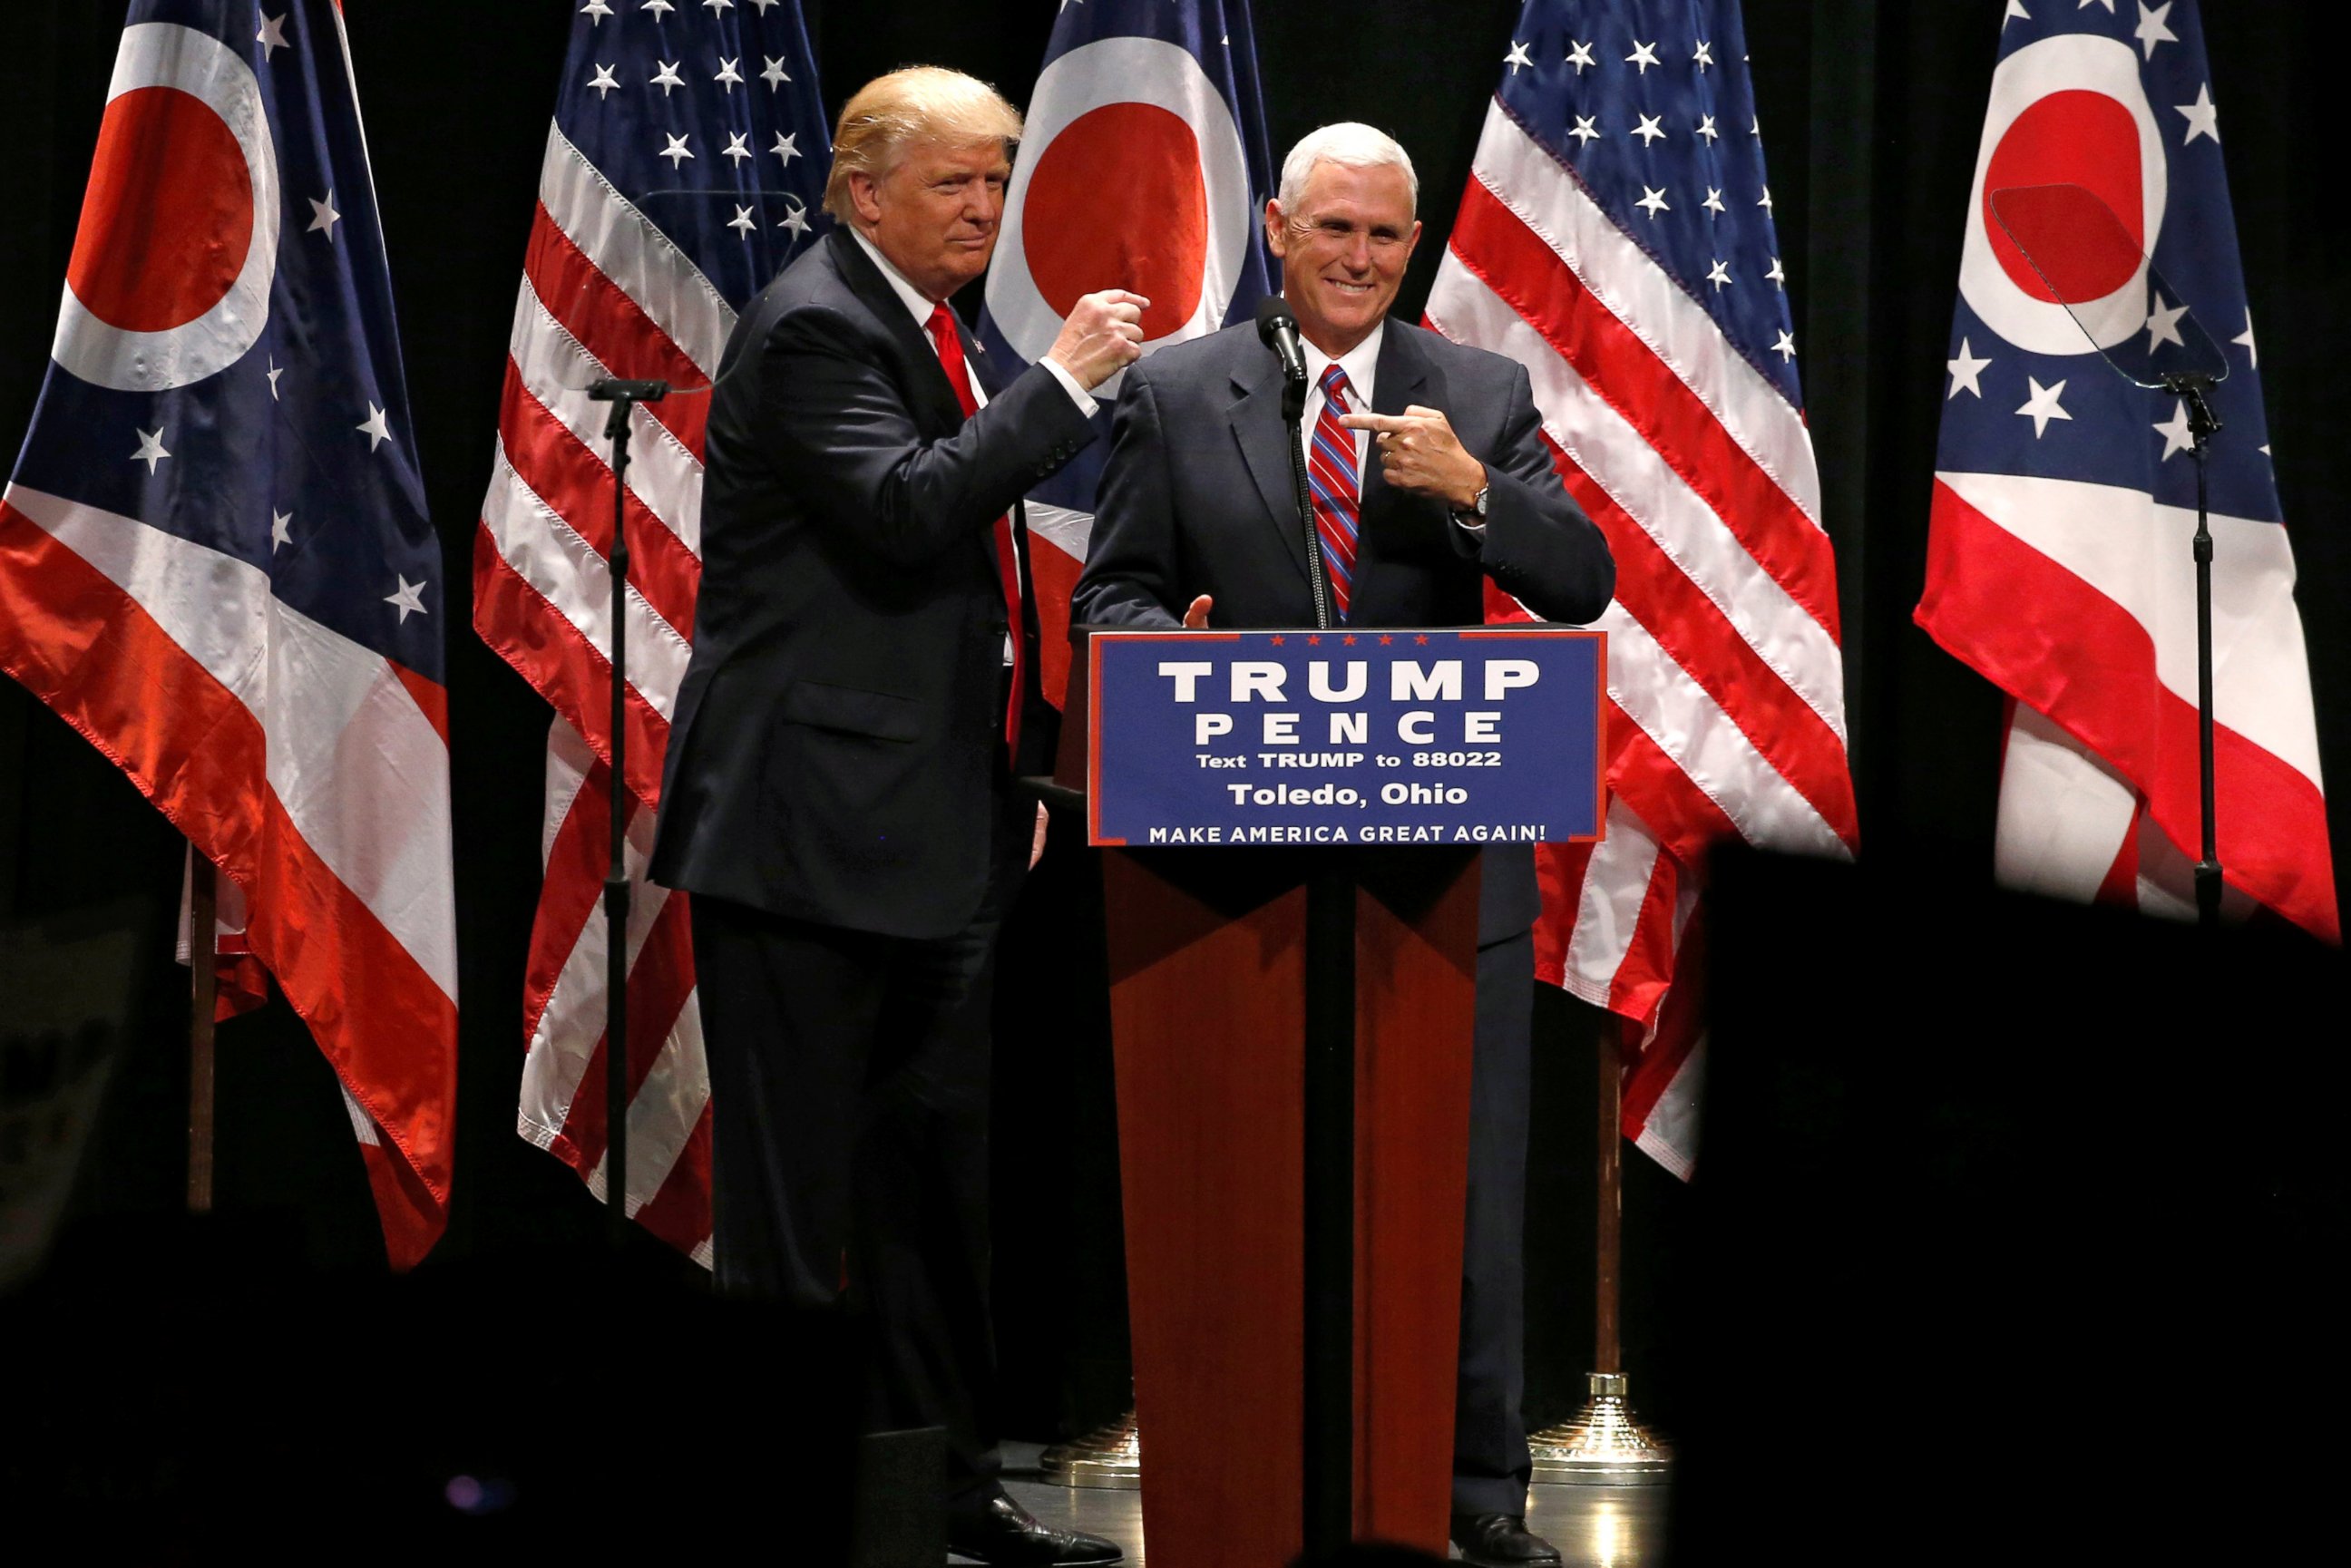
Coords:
1197,499
836,751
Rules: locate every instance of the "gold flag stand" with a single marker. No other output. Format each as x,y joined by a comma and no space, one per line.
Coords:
1108,1457
1605,1445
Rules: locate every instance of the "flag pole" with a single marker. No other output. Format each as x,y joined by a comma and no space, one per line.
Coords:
203,990
1605,1445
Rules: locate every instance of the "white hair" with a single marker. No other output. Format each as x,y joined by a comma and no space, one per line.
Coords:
1351,145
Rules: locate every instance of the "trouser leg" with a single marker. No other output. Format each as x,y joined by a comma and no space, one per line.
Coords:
1490,1462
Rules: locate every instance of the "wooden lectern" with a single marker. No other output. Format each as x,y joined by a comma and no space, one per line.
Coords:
1292,1031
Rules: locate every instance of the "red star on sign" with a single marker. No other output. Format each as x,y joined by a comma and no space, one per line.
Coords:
1422,640
1386,641
1346,642
1314,641
1277,642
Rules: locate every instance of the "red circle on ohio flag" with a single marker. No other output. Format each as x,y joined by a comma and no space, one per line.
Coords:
2073,137
1117,201
169,219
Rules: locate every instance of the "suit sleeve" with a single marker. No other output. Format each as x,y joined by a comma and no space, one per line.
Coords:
841,430
1131,568
1539,547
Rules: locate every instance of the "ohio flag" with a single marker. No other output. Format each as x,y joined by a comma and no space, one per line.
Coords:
214,560
1144,167
2065,495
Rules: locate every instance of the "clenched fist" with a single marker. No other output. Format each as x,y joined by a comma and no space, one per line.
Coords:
1103,336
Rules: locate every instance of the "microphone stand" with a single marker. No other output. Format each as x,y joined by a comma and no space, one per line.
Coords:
624,396
2191,387
1293,414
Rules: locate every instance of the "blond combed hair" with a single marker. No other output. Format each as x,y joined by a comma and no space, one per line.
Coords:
920,103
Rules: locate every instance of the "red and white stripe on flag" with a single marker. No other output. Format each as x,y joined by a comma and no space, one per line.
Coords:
1726,685
604,291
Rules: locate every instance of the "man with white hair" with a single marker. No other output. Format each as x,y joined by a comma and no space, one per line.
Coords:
838,790
1428,477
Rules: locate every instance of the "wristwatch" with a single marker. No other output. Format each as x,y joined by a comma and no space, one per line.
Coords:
1476,516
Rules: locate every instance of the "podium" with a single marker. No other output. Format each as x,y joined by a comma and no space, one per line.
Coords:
1292,1027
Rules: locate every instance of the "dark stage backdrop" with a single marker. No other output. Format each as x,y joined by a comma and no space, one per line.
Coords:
1871,114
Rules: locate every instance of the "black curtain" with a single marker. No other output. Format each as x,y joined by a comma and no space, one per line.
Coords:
1871,114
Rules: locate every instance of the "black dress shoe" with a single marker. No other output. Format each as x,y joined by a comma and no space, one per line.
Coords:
1006,1534
1501,1541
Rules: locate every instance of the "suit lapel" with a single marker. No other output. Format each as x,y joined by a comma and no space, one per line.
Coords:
1401,378
933,400
1264,438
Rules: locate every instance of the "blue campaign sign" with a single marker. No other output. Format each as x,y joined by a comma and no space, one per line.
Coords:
1479,734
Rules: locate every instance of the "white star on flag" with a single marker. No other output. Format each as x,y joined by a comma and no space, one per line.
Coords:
1706,128
2151,30
2178,436
784,148
729,77
666,78
603,85
2110,5
1766,203
1643,56
1778,278
1653,203
675,151
323,217
742,221
1579,55
408,597
378,428
274,372
272,37
794,220
1583,131
715,7
598,9
1718,275
2042,406
1785,347
1713,202
2246,337
739,146
150,450
774,75
658,8
2203,119
1647,129
281,531
1516,58
1703,57
2163,323
1967,372
2015,13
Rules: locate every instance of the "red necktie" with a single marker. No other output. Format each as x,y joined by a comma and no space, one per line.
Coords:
1331,478
949,343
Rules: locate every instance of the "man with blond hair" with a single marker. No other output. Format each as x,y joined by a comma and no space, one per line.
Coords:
1428,478
838,796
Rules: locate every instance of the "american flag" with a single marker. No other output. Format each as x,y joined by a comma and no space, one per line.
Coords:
1616,239
1141,109
214,557
2064,496
686,167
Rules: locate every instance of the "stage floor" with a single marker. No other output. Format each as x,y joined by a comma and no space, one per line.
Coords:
1596,1527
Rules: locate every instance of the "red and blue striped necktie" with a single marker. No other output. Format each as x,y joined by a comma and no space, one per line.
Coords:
948,341
1331,477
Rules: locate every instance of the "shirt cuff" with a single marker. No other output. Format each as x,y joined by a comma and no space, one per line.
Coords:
1475,530
1078,395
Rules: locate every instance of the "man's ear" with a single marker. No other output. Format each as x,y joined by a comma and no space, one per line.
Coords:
1277,233
865,196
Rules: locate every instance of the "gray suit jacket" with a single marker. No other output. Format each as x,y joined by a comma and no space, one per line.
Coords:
1196,500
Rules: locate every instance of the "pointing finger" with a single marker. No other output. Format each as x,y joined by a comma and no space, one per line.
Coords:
1383,423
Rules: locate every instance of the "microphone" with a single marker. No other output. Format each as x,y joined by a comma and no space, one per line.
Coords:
1277,328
